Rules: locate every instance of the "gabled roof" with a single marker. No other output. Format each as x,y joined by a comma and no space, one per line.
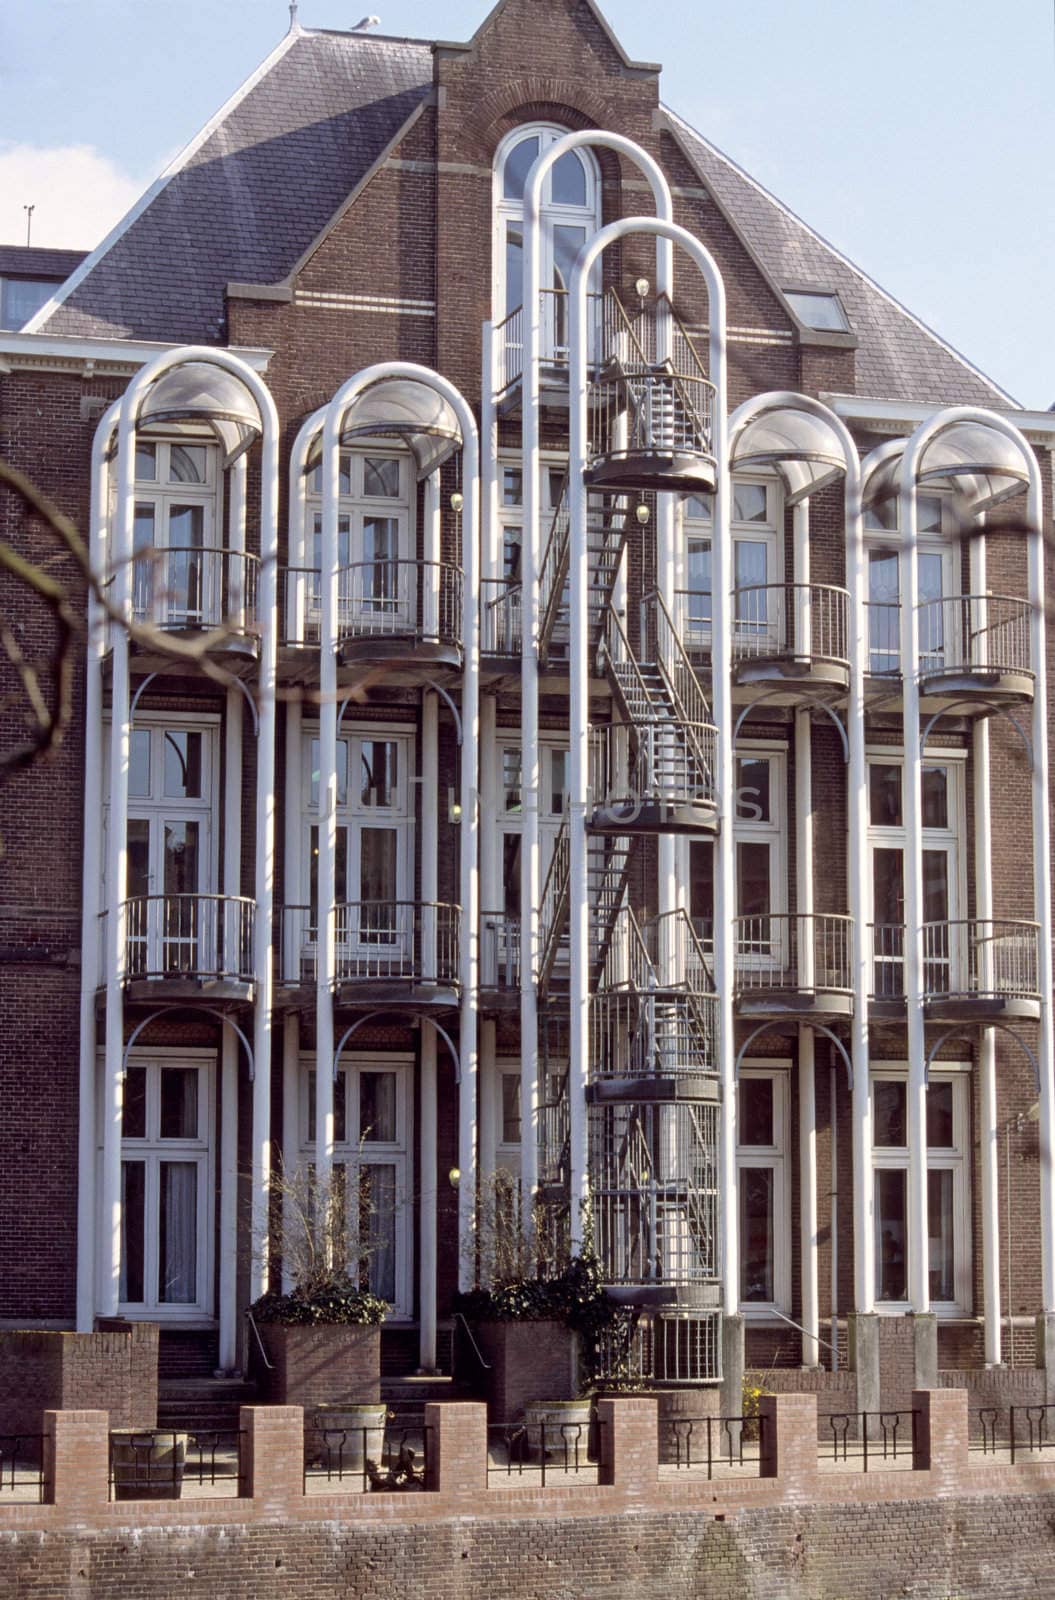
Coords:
898,357
254,189
591,6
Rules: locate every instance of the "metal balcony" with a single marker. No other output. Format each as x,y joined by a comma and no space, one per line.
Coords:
187,945
553,352
499,959
976,647
789,636
404,614
793,965
501,627
194,591
385,951
655,775
974,970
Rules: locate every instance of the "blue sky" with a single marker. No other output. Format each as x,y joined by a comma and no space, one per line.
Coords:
917,136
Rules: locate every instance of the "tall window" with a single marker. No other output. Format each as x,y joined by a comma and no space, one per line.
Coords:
761,1159
571,213
375,838
948,1210
757,513
377,583
372,1170
937,578
943,867
553,798
177,576
511,510
165,1188
761,874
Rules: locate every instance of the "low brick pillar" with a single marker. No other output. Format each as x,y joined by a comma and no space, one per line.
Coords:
456,1447
629,1442
77,1460
788,1444
940,1436
272,1454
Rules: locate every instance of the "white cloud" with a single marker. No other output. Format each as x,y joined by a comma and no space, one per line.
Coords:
77,193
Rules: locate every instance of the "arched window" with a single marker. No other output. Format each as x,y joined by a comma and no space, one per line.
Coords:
571,212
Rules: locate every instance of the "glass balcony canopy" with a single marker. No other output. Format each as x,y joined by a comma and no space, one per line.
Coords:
804,449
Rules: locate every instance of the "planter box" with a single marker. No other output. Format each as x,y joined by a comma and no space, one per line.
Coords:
525,1360
318,1366
147,1465
114,1370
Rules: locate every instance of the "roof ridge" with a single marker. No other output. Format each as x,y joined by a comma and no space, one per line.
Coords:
176,165
851,265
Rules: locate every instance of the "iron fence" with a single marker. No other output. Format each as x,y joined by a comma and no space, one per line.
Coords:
713,1444
391,1456
541,1451
162,1464
21,1467
872,1438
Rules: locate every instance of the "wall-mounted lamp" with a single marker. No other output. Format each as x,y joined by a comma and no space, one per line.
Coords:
457,500
642,286
454,807
454,1177
643,514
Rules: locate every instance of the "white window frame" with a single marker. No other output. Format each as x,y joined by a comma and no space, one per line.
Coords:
776,1157
762,616
153,601
509,212
355,604
153,1149
958,1161
747,831
952,840
512,822
507,1151
884,658
554,469
353,1152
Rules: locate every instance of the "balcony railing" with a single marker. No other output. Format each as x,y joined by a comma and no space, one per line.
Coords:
652,762
202,937
794,953
409,941
806,621
499,951
884,638
196,587
500,617
554,319
975,633
419,600
972,959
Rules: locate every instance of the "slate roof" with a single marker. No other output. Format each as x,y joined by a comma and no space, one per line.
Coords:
32,261
898,357
244,202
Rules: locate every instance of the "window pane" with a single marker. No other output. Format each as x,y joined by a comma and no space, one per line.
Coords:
143,541
940,1230
752,874
821,311
186,527
340,1107
181,857
569,181
377,864
567,242
133,1236
931,570
377,1107
380,539
882,515
884,795
510,1108
750,559
187,463
23,298
755,1111
935,787
514,267
511,874
935,886
138,858
558,787
179,1102
756,1233
928,513
889,1114
512,486
555,478
698,577
518,164
178,1233
890,1223
701,888
134,1104
752,790
183,765
146,463
381,477
377,1230
139,762
939,1116
512,549
378,775
749,502
511,780
342,772
698,507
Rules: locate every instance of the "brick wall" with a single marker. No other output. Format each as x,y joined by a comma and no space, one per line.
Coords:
114,1370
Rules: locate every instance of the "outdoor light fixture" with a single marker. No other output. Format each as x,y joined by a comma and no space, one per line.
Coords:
454,1177
642,286
642,513
457,500
454,808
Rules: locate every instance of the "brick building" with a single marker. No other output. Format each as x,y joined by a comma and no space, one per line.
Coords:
606,746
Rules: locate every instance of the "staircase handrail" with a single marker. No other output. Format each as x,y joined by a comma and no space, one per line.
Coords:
558,546
555,892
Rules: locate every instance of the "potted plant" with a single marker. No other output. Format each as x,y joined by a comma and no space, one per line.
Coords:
349,1434
147,1463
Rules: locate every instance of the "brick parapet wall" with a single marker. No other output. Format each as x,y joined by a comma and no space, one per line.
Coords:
273,1483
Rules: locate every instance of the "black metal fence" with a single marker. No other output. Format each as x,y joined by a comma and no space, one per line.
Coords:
390,1457
161,1464
21,1467
712,1444
1026,1430
544,1450
875,1439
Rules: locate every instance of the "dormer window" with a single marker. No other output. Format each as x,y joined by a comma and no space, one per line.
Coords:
571,212
818,309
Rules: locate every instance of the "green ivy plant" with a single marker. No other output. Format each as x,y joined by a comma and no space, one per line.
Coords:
337,1302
